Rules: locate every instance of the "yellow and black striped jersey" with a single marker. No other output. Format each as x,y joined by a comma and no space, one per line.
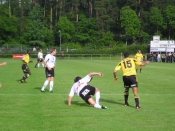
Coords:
139,57
26,59
128,66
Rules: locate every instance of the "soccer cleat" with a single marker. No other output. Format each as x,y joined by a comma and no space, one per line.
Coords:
22,81
126,104
51,91
42,90
138,107
104,107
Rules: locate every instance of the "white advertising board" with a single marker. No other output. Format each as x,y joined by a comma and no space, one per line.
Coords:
162,46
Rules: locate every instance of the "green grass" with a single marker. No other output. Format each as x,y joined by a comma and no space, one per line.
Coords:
24,108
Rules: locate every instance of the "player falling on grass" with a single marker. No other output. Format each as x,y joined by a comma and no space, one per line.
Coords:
2,64
82,89
25,68
129,77
50,64
139,58
40,59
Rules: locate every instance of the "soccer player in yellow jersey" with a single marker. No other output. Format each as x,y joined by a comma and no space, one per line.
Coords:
139,57
25,68
129,77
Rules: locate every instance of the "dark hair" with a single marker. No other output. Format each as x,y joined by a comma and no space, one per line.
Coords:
28,51
53,49
77,79
126,54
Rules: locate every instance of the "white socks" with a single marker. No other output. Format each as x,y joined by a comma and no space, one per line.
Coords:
45,84
51,85
97,96
97,106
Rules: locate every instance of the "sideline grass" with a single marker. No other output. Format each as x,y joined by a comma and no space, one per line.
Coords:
24,108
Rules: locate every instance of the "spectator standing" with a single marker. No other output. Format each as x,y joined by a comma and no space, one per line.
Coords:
158,57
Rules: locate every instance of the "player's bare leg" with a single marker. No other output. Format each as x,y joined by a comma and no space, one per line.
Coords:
136,97
140,69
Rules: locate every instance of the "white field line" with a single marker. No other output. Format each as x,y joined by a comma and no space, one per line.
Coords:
102,94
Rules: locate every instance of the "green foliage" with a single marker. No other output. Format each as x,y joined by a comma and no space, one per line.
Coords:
67,30
170,16
86,30
36,31
130,23
156,18
8,28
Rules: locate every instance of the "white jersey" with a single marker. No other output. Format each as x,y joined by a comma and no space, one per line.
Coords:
40,55
50,60
78,86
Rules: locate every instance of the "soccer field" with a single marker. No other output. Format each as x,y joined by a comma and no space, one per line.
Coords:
23,107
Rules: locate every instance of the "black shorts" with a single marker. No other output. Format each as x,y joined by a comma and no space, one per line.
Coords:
40,60
86,93
49,73
25,69
130,81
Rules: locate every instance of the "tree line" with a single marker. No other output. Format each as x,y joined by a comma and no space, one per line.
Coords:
94,24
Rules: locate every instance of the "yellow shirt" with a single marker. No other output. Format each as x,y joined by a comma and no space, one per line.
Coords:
128,66
139,57
26,59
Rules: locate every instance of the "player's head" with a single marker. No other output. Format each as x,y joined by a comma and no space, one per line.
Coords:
40,50
77,79
28,51
126,54
53,51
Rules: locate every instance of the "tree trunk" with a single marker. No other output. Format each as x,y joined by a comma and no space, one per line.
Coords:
51,18
90,9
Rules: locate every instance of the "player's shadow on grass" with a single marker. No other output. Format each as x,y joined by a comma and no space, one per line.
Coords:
77,103
39,88
114,102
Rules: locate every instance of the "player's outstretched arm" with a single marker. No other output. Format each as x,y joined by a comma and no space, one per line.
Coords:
145,63
96,73
115,75
69,100
3,64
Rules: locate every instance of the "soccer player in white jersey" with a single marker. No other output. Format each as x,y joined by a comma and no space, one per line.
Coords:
40,59
50,63
82,89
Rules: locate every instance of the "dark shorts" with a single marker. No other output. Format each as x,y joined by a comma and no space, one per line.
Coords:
25,69
49,73
86,93
40,60
130,81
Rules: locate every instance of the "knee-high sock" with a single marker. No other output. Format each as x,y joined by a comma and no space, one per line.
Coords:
51,85
45,84
97,97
